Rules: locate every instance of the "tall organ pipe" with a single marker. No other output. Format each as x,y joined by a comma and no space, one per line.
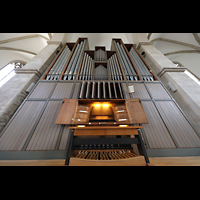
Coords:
74,62
117,65
86,68
83,64
124,66
129,70
129,63
125,62
145,73
78,61
59,65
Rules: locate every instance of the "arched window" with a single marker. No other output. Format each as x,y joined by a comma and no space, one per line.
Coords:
7,72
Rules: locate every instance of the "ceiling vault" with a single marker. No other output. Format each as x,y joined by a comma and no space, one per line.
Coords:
183,51
149,35
176,42
50,35
22,38
19,50
197,38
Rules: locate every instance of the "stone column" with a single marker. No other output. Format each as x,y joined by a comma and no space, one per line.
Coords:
14,91
187,91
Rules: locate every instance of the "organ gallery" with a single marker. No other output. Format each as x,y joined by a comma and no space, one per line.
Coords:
98,107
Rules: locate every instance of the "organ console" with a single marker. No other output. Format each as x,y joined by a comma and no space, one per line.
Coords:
102,131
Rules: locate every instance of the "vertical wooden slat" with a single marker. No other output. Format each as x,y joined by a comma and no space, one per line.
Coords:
17,132
182,131
156,132
46,133
140,91
157,91
42,90
64,138
62,90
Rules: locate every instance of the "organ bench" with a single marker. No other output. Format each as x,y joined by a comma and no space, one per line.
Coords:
89,146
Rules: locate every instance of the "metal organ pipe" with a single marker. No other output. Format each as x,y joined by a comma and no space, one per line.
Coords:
59,65
113,67
101,90
144,71
117,66
78,61
100,55
86,69
115,72
125,62
72,68
128,68
140,69
125,70
129,63
70,63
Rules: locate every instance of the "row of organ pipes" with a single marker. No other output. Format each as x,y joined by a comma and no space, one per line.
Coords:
129,71
74,63
87,68
100,55
101,90
56,70
101,72
141,67
115,72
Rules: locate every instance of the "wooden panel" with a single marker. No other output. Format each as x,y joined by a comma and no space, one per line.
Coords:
182,131
156,161
67,112
136,161
175,161
136,111
105,127
157,91
62,90
42,91
105,131
46,133
156,132
53,162
17,132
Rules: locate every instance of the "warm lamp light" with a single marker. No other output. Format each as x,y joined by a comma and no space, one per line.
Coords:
123,125
97,105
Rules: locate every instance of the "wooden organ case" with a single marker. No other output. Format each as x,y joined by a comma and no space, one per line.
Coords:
98,107
102,112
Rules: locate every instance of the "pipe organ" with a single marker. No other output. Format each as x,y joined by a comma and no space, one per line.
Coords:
98,107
